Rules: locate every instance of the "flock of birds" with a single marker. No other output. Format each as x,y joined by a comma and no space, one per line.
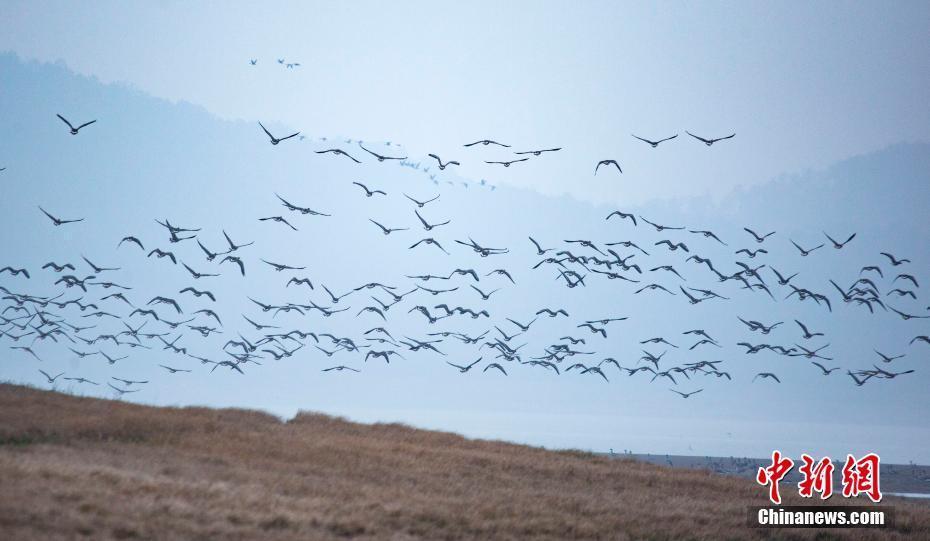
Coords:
281,62
523,155
94,315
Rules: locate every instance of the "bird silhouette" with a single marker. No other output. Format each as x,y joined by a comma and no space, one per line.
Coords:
421,204
74,131
605,163
387,230
379,156
686,395
369,193
443,165
278,219
507,163
894,261
487,142
538,152
839,245
275,140
710,142
764,375
496,366
654,144
58,221
338,152
805,253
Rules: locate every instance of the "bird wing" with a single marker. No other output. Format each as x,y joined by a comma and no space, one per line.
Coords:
268,133
696,137
63,119
54,219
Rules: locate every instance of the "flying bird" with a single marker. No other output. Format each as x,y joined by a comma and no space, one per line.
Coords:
752,253
442,166
428,241
538,152
97,269
280,267
15,272
497,366
764,375
507,163
278,219
74,131
132,240
710,142
237,261
50,378
387,230
607,162
839,245
369,193
805,253
708,235
379,156
56,267
198,293
340,368
759,238
826,371
660,228
233,246
173,370
157,252
539,249
895,262
295,208
487,142
197,275
807,334
655,143
275,140
502,272
621,215
338,152
465,368
58,221
421,204
906,277
686,395
428,226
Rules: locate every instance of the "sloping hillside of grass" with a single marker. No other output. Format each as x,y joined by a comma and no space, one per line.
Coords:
74,467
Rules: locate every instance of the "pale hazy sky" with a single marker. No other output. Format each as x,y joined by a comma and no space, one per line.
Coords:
803,84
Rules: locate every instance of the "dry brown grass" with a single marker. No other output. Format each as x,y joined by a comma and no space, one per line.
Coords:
74,468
